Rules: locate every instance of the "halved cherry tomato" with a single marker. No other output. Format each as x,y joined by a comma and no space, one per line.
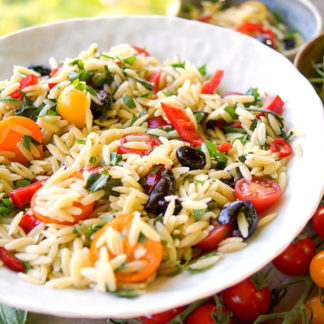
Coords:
153,256
155,79
225,147
140,50
11,131
314,306
295,260
162,318
204,315
28,222
318,221
182,124
216,235
86,209
153,177
210,86
27,81
246,302
273,103
255,30
156,122
282,147
262,192
149,140
23,195
316,269
11,262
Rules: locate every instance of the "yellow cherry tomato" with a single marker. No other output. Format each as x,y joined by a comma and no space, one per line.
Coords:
72,105
316,269
254,11
314,305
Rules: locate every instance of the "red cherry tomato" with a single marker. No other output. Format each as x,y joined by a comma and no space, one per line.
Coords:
149,140
295,260
282,147
318,221
225,147
203,315
262,192
210,86
153,177
162,318
27,81
246,302
156,122
273,103
316,269
28,222
216,235
11,262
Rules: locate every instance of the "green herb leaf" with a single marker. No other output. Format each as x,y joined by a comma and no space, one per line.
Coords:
164,242
27,140
93,159
79,62
130,60
243,139
234,130
215,154
115,159
129,101
146,84
134,118
92,229
126,293
6,206
22,183
255,93
11,315
156,169
28,109
231,112
253,125
199,116
82,141
178,65
142,238
9,99
202,70
198,213
168,94
145,94
73,76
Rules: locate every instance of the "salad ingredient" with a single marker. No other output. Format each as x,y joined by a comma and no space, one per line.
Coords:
156,122
273,103
11,262
28,222
192,158
318,221
26,81
209,87
41,69
99,110
207,314
162,318
282,147
155,79
316,269
315,307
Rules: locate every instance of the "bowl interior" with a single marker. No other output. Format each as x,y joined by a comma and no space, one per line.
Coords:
247,63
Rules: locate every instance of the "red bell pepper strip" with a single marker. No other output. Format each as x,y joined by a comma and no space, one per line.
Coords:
210,86
153,177
23,195
51,85
140,50
54,71
225,147
156,122
273,103
27,81
282,147
28,222
11,262
155,79
182,124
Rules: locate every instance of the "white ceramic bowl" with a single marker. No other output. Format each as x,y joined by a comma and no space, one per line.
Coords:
247,63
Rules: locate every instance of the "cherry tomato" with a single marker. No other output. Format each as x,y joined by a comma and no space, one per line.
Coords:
28,222
225,147
209,87
153,177
162,318
150,141
27,81
203,315
282,147
246,302
316,269
72,105
11,131
10,261
262,192
273,103
315,306
295,260
216,235
153,256
156,122
318,221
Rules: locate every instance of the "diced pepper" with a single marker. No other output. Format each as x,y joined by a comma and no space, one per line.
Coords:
155,79
225,147
282,147
210,86
140,50
11,262
28,222
156,122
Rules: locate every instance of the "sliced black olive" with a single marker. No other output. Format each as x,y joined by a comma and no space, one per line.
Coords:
264,39
164,187
289,43
99,110
41,69
230,214
163,205
190,157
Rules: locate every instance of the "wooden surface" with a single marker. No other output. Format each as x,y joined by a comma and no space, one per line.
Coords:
43,319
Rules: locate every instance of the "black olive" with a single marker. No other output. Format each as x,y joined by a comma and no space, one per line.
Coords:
190,157
99,110
231,211
41,69
264,39
163,205
289,43
164,187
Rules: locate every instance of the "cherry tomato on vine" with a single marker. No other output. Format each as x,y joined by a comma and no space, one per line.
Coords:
246,301
295,260
162,318
204,315
318,221
316,269
314,305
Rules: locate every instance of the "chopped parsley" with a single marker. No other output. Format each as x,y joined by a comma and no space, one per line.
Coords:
231,112
198,213
6,206
202,70
130,60
216,155
129,101
27,140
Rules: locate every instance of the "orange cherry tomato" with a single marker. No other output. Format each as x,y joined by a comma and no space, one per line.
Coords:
86,209
314,305
11,131
316,269
122,224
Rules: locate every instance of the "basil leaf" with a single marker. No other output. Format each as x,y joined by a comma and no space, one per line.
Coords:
199,116
198,213
178,65
129,101
134,118
79,62
202,70
6,206
141,238
130,60
146,84
27,140
215,154
28,109
93,159
115,159
243,139
255,93
97,181
9,99
231,112
11,315
253,124
22,183
81,141
146,94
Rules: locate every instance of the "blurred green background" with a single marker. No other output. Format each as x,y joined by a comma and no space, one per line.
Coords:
16,14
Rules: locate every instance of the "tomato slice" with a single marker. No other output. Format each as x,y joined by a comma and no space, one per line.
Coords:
85,213
155,79
182,124
262,192
210,86
153,256
225,147
28,222
282,147
156,122
273,103
11,131
11,262
219,233
27,81
150,141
